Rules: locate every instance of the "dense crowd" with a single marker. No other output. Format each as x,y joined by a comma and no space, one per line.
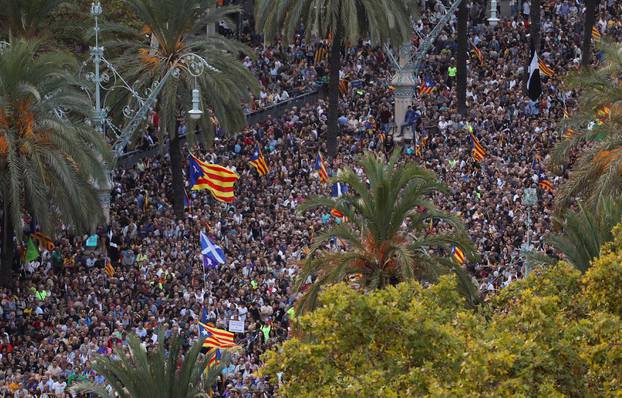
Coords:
65,311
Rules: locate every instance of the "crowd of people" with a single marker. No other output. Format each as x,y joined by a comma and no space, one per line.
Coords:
64,311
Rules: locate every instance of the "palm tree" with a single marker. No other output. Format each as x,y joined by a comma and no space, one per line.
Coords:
584,232
597,134
590,17
347,21
165,372
178,29
26,18
50,159
387,236
461,58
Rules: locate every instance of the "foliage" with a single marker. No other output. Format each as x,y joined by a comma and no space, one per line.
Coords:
604,279
181,52
541,336
387,237
584,232
597,134
165,372
26,18
380,21
50,21
50,158
178,29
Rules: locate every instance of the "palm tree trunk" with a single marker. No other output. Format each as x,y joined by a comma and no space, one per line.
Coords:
534,28
590,18
8,252
461,84
174,151
334,62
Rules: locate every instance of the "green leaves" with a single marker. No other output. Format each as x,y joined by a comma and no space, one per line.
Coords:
387,237
379,21
551,334
179,28
154,374
51,164
596,171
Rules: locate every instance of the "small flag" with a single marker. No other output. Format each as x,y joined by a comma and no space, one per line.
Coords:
478,151
214,337
546,185
258,162
212,255
544,68
214,360
534,85
320,54
187,201
343,87
319,166
32,253
225,337
338,189
427,86
596,35
458,255
219,180
478,53
336,213
108,268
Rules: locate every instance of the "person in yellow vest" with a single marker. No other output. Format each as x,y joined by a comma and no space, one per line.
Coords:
452,72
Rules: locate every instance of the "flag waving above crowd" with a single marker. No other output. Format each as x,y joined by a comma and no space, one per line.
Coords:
219,180
212,255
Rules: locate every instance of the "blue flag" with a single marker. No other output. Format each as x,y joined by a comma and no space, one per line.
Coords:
338,189
212,255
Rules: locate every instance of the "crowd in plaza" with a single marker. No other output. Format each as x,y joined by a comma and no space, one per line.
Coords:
65,311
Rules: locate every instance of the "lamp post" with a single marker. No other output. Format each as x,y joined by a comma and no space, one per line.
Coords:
530,199
493,20
190,63
97,53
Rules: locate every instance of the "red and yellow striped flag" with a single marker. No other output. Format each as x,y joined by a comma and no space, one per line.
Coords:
108,268
544,68
217,179
478,151
458,255
596,35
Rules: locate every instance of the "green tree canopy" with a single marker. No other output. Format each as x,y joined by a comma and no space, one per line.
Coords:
387,236
556,334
